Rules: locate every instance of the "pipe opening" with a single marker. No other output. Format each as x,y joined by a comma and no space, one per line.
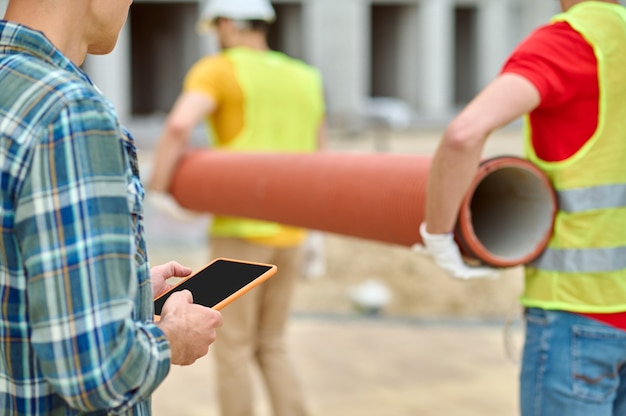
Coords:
512,213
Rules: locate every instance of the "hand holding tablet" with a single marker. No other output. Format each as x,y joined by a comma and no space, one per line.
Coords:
220,282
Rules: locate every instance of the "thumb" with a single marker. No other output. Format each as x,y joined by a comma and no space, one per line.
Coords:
182,296
178,270
469,273
419,248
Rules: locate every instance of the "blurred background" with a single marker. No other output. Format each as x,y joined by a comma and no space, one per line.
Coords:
377,329
387,58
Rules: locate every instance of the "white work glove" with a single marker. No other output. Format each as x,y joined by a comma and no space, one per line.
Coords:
166,204
314,255
447,256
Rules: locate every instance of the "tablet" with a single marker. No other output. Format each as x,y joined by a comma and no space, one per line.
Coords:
220,282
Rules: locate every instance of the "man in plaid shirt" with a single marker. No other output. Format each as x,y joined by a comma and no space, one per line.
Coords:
76,291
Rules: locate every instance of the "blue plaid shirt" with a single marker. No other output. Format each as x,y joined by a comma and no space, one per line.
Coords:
76,330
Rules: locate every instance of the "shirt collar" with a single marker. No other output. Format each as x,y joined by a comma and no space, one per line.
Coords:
14,36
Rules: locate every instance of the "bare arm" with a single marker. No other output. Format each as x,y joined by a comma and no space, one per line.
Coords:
456,160
189,110
322,135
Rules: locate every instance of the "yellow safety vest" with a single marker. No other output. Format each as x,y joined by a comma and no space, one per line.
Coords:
283,108
584,266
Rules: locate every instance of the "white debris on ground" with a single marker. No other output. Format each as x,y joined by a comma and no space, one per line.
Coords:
370,297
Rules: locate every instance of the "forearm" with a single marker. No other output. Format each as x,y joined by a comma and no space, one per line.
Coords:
454,165
81,312
144,362
322,136
115,375
189,110
456,160
88,346
170,149
87,289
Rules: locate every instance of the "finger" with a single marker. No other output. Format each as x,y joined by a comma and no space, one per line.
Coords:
419,248
178,270
469,273
184,295
219,321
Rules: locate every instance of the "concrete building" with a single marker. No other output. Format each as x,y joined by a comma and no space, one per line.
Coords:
431,55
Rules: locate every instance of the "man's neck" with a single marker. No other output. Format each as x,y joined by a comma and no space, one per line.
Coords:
62,29
251,40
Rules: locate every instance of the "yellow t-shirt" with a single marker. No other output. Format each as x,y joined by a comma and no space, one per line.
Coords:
216,77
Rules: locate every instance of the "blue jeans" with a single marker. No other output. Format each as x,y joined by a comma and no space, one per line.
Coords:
572,366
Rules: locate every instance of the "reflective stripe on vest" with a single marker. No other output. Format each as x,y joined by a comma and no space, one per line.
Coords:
589,260
586,260
597,197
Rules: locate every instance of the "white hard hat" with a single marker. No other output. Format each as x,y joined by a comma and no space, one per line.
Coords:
238,10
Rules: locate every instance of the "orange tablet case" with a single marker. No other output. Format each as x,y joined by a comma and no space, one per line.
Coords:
265,273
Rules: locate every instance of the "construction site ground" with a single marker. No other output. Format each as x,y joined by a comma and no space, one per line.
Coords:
439,347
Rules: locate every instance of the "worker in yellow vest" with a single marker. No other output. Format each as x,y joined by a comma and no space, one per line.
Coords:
254,100
569,78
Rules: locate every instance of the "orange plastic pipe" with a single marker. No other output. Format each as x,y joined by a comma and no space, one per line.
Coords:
366,195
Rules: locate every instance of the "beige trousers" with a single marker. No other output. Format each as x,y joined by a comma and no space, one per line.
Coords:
253,334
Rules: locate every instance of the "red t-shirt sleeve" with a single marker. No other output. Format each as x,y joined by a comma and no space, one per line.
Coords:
560,63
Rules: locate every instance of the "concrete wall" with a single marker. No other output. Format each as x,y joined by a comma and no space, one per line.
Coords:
431,54
337,43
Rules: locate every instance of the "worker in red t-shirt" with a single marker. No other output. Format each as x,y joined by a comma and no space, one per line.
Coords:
569,79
